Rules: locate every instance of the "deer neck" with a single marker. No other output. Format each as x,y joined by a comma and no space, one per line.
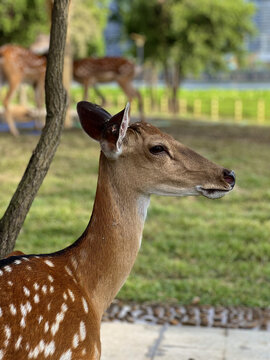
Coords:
108,248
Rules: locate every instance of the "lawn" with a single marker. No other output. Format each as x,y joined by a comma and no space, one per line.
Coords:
218,250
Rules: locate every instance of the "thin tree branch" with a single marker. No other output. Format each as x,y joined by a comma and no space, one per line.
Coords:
56,106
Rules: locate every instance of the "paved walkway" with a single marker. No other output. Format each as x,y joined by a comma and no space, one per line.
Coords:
123,341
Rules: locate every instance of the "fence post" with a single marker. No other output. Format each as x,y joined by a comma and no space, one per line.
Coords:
120,101
238,110
261,111
147,105
197,108
215,109
183,107
164,104
109,100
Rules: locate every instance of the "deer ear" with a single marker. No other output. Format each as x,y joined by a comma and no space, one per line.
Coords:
114,132
92,118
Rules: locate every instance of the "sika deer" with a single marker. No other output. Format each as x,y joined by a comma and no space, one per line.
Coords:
51,305
20,65
91,71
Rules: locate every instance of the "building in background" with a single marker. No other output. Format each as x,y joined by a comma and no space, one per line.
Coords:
112,32
260,44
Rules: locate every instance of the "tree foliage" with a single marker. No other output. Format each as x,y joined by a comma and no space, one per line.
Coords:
88,19
205,31
22,20
189,36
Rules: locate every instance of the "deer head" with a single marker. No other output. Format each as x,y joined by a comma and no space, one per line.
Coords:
156,162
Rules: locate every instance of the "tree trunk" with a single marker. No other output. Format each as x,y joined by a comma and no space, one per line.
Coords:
172,79
56,105
168,81
175,87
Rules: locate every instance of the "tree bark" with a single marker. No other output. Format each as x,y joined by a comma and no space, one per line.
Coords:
56,105
175,87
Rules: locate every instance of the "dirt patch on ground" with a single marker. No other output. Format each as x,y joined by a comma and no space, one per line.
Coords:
212,130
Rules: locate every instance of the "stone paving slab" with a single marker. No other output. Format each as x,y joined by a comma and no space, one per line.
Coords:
123,341
127,341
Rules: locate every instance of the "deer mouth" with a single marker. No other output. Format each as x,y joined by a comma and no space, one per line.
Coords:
213,193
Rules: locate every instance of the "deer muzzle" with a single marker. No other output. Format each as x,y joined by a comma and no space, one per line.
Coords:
212,192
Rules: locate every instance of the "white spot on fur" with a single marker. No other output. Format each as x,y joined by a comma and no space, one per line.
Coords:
18,343
66,355
25,258
46,326
1,312
85,306
49,349
64,307
37,350
1,354
51,289
74,262
8,335
28,306
33,354
83,351
75,341
50,278
25,309
44,289
28,267
68,270
82,331
13,309
40,319
41,345
36,299
65,296
22,322
36,286
49,263
10,283
27,347
71,295
7,268
49,306
17,262
58,319
26,291
1,272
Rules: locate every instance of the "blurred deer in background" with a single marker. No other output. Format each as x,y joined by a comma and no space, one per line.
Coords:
19,65
91,71
51,305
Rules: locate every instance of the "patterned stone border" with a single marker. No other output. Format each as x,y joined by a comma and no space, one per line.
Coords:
193,315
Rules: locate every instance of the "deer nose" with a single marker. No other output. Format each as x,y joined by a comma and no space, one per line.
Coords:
229,177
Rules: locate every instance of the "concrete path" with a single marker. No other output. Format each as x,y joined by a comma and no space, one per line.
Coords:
123,341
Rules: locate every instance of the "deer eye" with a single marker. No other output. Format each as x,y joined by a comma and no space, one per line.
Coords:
157,149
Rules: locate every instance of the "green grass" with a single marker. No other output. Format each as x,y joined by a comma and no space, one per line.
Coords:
218,250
